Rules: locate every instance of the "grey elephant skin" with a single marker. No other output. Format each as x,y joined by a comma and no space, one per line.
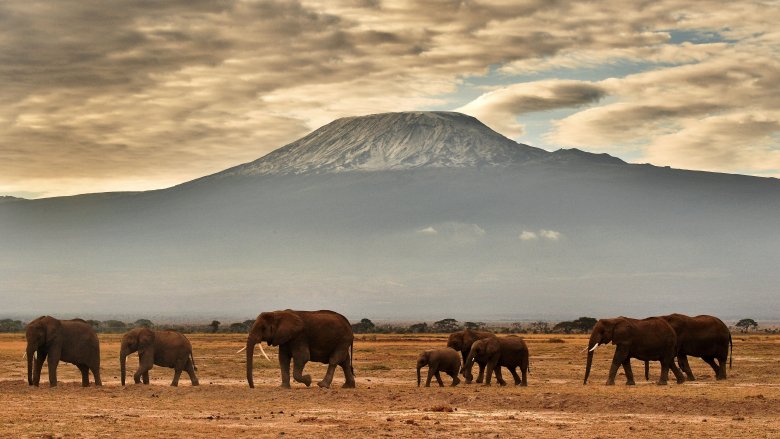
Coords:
445,360
461,341
157,348
650,339
497,352
703,336
302,336
72,341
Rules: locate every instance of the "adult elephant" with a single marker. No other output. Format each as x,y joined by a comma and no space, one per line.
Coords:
157,348
703,336
72,341
461,341
650,339
303,336
497,352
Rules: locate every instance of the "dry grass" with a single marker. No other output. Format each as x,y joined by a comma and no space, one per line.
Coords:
387,401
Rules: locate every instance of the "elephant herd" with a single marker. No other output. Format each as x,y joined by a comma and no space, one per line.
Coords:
326,337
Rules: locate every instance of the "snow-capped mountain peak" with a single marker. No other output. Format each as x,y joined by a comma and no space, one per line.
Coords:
393,141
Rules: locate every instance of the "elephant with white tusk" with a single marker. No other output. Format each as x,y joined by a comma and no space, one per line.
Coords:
303,336
650,339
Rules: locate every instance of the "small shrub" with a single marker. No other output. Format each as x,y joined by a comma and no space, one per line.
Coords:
555,340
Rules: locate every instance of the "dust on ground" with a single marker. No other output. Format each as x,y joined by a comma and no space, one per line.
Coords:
387,402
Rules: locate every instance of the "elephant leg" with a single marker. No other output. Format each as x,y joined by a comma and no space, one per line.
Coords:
38,367
715,367
146,377
677,372
455,379
428,379
53,362
95,369
144,364
499,378
721,372
176,376
682,360
513,371
488,373
664,378
621,354
191,372
349,375
629,372
300,358
438,378
328,378
481,375
84,375
284,366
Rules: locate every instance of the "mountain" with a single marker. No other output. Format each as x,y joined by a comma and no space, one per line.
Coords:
415,215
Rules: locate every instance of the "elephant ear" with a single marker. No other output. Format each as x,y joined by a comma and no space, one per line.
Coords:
622,329
287,325
145,338
52,327
492,346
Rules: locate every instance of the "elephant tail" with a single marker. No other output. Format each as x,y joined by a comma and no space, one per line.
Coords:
350,357
731,350
647,370
192,358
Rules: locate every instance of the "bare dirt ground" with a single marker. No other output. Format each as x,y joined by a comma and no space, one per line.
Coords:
387,402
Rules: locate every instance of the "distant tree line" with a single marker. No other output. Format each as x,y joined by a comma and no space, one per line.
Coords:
582,325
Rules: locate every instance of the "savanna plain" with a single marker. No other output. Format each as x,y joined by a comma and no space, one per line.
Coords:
387,402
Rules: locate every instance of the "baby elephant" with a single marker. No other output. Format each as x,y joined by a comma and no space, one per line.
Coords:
161,348
445,360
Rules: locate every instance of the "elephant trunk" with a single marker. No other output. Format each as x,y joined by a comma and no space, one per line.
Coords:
592,344
123,364
30,355
468,365
418,375
250,352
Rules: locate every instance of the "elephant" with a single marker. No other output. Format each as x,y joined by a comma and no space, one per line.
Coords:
496,352
161,348
322,336
72,341
444,360
462,341
650,339
704,336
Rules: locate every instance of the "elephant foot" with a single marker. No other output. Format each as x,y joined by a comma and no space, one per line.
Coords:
468,380
662,383
455,381
306,379
502,384
348,385
524,384
196,383
610,383
720,378
285,385
630,383
323,384
690,378
680,381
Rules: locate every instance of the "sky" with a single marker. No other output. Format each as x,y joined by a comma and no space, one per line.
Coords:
136,95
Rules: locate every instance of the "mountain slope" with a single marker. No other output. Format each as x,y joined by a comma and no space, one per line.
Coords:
449,223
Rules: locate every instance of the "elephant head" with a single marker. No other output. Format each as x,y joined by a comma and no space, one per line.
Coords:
139,340
481,350
604,332
41,332
275,328
423,360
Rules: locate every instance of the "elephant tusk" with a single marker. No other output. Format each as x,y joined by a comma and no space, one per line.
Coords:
263,351
595,346
241,350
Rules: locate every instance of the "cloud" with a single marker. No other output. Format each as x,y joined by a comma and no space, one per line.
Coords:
454,231
428,231
550,235
499,108
149,94
526,235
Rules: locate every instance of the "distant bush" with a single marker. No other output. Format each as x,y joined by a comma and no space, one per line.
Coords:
8,325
